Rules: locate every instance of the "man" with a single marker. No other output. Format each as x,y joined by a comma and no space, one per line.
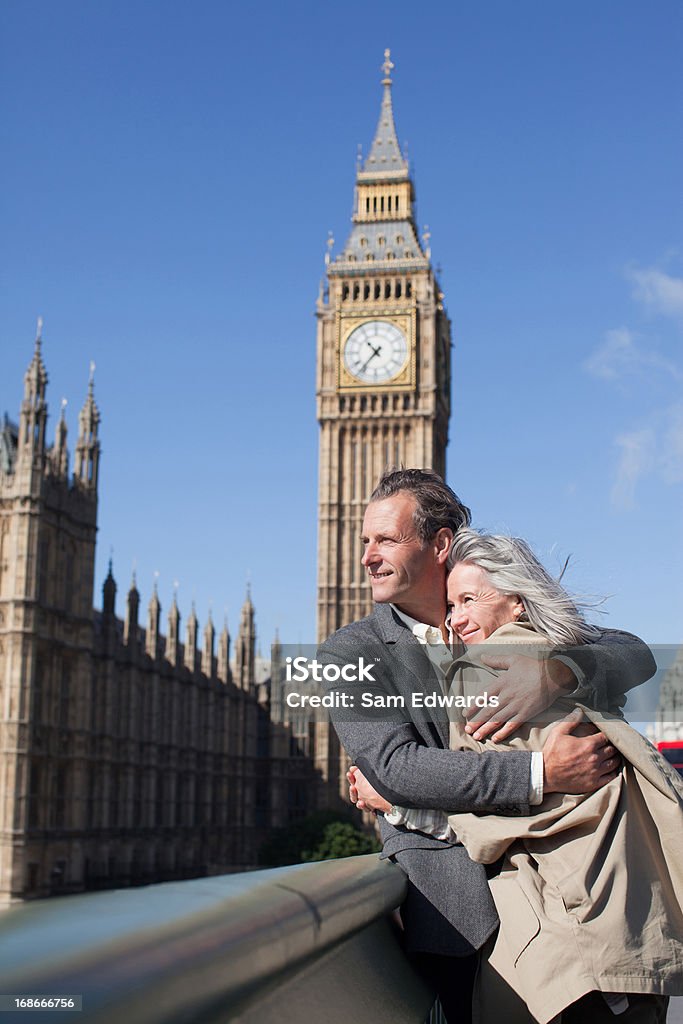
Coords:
449,913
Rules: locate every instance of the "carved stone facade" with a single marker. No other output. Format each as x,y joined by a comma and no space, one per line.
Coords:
126,756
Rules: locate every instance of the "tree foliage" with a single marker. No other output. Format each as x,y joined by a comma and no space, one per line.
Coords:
325,835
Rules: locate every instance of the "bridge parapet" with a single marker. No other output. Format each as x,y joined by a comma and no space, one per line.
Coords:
312,943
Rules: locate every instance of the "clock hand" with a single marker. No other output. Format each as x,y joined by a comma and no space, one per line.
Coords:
375,352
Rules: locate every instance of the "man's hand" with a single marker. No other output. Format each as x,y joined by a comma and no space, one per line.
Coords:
362,794
525,687
578,764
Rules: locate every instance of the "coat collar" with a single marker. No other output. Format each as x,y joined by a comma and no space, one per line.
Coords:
390,627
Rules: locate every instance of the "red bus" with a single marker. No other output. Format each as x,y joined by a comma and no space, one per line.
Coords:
673,752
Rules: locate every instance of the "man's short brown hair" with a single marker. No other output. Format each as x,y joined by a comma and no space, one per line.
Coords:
437,505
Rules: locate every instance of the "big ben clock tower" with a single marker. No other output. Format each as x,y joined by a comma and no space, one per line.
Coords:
383,366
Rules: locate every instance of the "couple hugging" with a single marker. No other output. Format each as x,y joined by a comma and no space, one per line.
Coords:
543,846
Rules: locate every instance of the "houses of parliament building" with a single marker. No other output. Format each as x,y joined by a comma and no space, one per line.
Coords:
129,754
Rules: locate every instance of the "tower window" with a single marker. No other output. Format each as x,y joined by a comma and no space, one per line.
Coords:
400,239
381,204
378,290
409,289
387,290
397,290
367,205
345,291
389,204
374,204
366,291
397,203
356,291
389,254
381,240
409,253
363,242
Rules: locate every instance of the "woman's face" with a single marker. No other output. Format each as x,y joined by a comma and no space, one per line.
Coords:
476,608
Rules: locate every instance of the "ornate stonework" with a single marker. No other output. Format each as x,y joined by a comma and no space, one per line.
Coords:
383,366
383,380
126,756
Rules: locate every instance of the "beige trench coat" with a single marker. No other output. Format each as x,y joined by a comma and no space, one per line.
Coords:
590,894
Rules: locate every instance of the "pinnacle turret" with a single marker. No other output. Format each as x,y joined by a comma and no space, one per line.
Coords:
223,669
207,649
130,628
245,647
191,640
33,418
60,455
173,639
109,592
153,621
88,445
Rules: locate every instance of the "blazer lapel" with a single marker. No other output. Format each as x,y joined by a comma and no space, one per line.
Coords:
417,674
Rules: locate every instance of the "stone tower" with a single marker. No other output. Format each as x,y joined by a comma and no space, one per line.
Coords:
47,549
383,366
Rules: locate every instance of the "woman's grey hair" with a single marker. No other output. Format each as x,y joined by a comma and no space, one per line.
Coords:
513,568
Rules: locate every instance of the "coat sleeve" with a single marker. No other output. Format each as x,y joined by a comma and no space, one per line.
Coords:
394,757
608,668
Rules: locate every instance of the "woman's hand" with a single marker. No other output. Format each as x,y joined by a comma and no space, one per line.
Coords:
362,794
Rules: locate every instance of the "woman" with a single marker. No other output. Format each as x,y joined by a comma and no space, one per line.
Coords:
589,888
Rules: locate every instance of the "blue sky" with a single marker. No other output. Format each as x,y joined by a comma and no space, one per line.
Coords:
171,172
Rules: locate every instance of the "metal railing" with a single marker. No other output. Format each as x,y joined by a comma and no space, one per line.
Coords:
311,943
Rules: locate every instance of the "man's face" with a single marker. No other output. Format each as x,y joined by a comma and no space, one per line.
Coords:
402,569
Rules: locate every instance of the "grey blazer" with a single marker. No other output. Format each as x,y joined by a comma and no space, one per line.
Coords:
404,754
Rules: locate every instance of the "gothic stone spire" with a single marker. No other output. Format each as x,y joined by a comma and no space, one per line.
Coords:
385,158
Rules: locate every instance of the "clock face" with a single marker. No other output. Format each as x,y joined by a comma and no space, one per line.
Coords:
375,352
